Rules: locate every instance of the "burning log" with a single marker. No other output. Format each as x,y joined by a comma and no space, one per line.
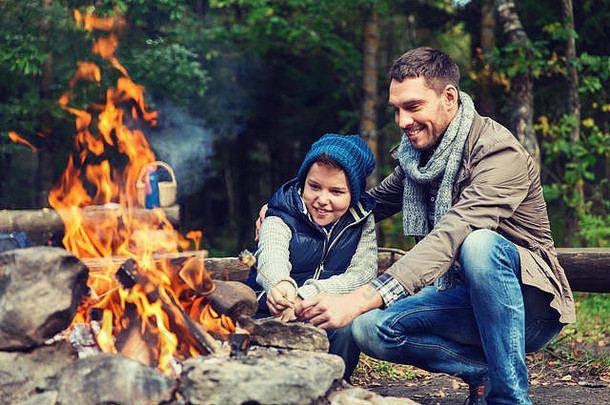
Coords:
231,298
129,275
219,268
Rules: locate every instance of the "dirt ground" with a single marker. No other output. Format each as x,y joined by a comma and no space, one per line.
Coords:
553,381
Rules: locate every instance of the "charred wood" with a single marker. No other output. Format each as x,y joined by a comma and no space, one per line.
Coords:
230,298
129,275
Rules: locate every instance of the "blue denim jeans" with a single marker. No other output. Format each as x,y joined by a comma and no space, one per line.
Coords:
342,344
479,330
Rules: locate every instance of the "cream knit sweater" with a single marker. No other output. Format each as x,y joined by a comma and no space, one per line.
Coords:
273,260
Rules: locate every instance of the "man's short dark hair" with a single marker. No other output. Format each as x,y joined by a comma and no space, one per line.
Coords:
435,66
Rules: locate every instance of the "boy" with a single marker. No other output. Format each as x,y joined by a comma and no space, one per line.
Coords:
319,234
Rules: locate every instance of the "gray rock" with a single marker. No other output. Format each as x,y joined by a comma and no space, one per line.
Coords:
360,396
45,398
113,379
263,376
40,290
293,335
24,375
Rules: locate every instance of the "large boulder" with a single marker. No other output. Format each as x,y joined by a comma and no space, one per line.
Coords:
262,376
113,379
40,290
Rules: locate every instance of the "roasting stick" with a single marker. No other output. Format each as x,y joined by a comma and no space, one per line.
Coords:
247,258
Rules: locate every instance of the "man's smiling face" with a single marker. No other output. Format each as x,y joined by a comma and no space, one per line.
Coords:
421,112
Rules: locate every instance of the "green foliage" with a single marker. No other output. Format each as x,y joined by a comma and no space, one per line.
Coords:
513,58
593,320
585,165
392,234
39,51
21,47
369,367
22,52
174,71
578,171
145,12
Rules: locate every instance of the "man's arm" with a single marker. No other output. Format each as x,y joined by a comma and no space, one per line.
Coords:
333,311
388,195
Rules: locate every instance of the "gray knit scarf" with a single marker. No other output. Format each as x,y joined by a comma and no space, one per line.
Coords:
445,162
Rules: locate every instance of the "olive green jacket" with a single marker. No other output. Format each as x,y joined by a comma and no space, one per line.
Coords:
497,188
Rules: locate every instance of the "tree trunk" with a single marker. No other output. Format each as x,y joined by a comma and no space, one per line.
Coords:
368,116
487,105
46,168
573,101
572,107
522,84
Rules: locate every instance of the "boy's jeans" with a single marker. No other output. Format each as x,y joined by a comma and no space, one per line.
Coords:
477,331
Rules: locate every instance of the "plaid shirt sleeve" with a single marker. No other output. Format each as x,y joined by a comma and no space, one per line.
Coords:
389,289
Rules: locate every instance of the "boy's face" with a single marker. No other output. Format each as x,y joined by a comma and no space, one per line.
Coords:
421,112
326,193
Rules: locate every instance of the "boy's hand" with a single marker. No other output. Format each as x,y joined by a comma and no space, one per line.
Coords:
276,298
286,315
259,220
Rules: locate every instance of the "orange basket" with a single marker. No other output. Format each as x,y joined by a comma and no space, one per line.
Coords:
167,189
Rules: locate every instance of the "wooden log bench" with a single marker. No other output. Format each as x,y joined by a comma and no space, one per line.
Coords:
41,224
587,269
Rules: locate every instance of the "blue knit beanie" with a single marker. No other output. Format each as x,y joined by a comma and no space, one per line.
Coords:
351,152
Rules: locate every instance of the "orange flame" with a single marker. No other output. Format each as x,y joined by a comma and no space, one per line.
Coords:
17,139
97,200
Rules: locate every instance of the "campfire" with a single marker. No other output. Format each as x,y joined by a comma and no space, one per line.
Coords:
159,311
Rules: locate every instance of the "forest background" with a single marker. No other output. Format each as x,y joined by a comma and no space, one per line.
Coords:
243,87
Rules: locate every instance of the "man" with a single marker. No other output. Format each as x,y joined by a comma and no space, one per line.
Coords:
472,196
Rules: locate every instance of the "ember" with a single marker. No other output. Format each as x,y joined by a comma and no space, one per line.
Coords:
154,311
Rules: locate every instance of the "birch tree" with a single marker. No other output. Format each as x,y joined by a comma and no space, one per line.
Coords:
522,83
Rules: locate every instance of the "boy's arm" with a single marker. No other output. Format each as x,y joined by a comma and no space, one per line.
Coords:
361,270
273,254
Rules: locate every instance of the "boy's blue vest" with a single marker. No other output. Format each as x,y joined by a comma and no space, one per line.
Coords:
314,251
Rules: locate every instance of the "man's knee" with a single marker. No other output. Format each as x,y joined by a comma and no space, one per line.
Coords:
478,243
483,249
